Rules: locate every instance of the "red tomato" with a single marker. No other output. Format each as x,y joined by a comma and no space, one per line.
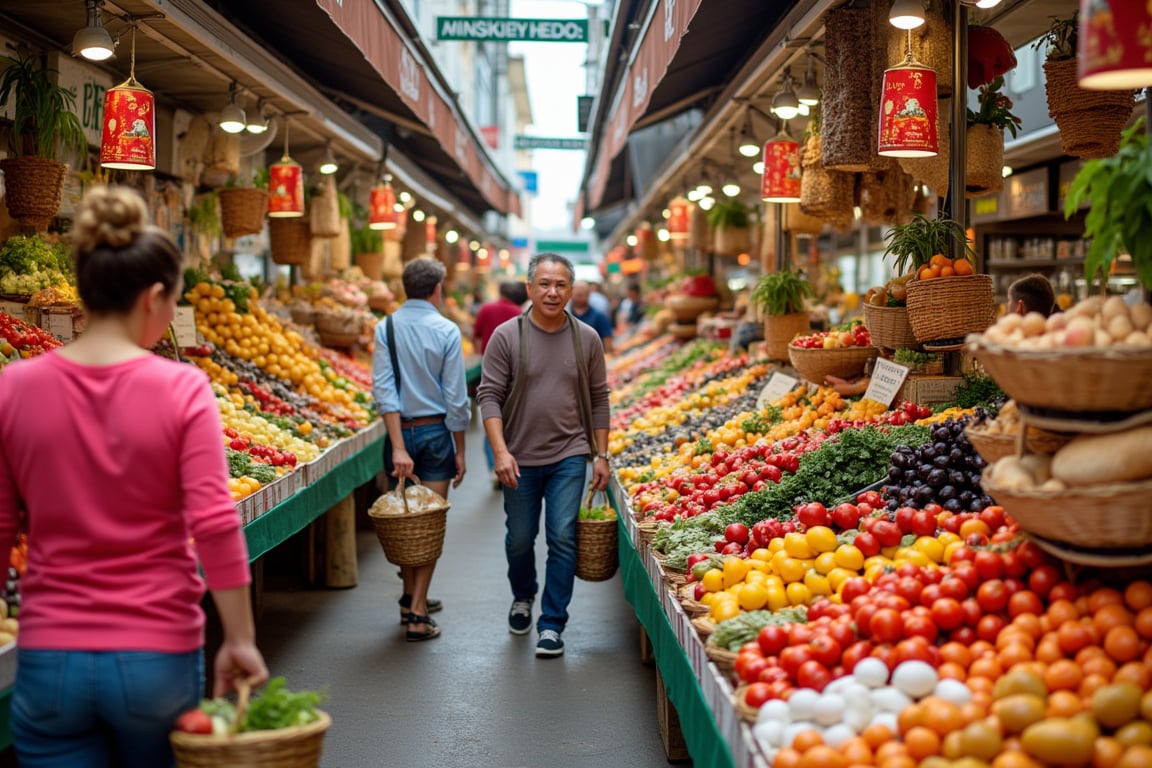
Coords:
861,649
799,634
793,656
919,626
825,650
887,533
773,675
963,635
887,654
846,516
947,613
1042,578
904,517
961,554
811,514
972,611
1031,554
886,626
930,594
992,596
194,721
737,532
909,589
863,618
812,674
953,586
772,640
916,649
988,564
854,587
842,632
1065,590
1025,601
757,694
755,665
989,627
1013,565
868,544
993,517
966,572
923,524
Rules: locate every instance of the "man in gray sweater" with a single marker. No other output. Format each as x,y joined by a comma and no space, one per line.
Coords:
544,399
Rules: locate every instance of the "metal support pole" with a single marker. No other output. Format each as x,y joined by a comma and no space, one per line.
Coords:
957,207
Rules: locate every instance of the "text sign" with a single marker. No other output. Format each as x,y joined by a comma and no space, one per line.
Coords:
14,308
779,384
59,325
509,30
540,142
184,327
887,378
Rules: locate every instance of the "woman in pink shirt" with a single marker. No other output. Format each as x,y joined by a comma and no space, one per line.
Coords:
112,458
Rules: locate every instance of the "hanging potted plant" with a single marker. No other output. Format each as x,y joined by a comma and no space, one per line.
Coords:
243,207
780,297
730,222
44,127
1090,122
984,173
367,244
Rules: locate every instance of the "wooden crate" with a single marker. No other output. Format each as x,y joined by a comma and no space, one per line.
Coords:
674,747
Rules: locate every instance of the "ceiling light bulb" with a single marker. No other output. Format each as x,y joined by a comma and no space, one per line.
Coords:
809,93
328,164
987,3
906,14
786,106
704,189
758,168
92,41
748,149
730,189
451,236
587,222
232,118
417,215
663,235
260,123
706,203
694,195
631,241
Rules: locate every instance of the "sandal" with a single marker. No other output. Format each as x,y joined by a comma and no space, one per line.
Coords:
406,603
431,630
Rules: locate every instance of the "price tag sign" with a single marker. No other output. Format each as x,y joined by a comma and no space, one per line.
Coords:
887,378
14,308
779,384
184,324
60,326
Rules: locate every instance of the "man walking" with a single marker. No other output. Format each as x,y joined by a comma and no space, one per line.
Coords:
419,386
544,399
583,311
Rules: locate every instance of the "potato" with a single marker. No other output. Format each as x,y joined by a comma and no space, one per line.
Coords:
1119,327
1080,333
1113,307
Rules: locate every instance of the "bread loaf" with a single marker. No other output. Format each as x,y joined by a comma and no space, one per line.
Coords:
1115,458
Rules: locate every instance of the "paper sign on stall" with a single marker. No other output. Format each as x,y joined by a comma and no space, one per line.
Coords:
887,378
60,326
184,326
779,384
14,308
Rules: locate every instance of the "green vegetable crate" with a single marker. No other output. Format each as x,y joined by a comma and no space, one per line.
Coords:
596,555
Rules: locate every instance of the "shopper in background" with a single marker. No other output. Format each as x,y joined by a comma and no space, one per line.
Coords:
113,457
544,400
419,386
583,310
598,299
631,310
513,296
1031,293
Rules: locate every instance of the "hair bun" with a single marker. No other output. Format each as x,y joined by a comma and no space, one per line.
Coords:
109,217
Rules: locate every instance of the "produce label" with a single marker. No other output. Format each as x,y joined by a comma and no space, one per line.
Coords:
779,384
887,377
14,308
59,325
184,326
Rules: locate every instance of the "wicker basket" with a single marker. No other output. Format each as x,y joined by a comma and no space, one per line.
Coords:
412,537
302,315
597,557
720,656
688,602
1099,558
371,264
1090,122
683,331
845,362
704,626
779,330
985,160
296,747
748,714
1084,379
242,210
993,447
290,240
687,308
33,189
950,307
1111,515
731,241
889,327
329,322
342,340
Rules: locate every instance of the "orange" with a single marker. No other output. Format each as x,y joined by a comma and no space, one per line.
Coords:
1134,672
877,735
1063,704
947,272
1122,643
890,750
822,756
1049,650
1098,665
1063,675
910,717
1136,757
1089,685
1072,636
1011,635
940,716
1014,759
857,751
922,742
1104,596
963,267
897,761
1143,623
1028,623
1111,615
1061,611
805,740
987,666
925,273
939,260
1138,595
787,758
1013,654
956,653
1106,752
952,671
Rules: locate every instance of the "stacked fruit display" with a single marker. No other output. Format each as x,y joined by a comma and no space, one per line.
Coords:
20,340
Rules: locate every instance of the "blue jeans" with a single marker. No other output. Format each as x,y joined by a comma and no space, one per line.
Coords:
559,488
433,452
79,709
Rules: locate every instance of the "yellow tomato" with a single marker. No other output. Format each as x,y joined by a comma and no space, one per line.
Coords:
796,545
798,594
850,557
825,562
761,553
777,598
792,570
724,609
753,597
817,584
838,576
735,569
820,538
713,580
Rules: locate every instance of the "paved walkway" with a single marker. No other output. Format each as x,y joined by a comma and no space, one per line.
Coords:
476,696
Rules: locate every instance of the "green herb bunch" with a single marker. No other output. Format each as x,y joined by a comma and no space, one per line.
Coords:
995,108
783,292
915,243
729,214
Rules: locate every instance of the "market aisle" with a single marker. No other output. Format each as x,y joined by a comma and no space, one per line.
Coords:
476,696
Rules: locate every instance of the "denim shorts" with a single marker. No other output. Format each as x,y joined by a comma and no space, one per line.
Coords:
433,452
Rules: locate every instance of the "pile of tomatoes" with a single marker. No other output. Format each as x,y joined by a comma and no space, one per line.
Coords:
857,337
28,340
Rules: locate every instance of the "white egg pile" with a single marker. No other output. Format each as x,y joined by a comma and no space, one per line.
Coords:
868,696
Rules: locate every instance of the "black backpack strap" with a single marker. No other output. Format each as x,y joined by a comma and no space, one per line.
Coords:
392,351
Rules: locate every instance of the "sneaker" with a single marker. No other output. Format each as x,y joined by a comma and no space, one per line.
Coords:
549,644
520,617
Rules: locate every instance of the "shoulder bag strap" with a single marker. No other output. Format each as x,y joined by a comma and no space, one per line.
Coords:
585,394
515,400
392,351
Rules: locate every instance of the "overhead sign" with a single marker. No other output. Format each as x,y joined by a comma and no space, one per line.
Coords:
531,181
540,142
509,30
583,112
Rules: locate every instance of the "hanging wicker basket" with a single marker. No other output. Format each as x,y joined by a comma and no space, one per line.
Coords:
851,92
984,174
825,194
371,264
410,535
731,241
886,196
290,240
950,307
324,210
1090,122
800,223
890,327
242,210
596,554
779,330
33,189
699,230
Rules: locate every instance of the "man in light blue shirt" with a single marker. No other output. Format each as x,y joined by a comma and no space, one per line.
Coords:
419,386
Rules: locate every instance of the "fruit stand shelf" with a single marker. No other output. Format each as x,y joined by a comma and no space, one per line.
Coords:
1033,263
713,731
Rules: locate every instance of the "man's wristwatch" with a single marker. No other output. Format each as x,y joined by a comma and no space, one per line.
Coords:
604,456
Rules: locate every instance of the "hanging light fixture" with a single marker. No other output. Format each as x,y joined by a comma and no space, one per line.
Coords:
907,14
780,182
328,164
232,117
748,145
1113,51
981,3
809,93
678,218
92,41
785,105
285,185
908,109
259,124
430,234
382,205
126,141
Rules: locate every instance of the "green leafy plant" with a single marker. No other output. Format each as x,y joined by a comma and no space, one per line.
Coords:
915,243
995,108
44,120
914,358
1060,41
783,292
204,215
259,179
1119,188
363,239
729,214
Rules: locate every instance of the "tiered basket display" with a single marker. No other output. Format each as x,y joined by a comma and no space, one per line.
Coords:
844,362
890,327
950,307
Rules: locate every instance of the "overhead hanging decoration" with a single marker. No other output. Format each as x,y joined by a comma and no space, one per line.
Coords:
908,109
285,185
1114,54
126,141
780,181
678,211
382,206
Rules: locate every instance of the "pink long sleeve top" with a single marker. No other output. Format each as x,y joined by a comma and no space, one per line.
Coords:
119,469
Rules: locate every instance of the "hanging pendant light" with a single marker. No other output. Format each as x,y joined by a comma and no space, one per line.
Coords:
908,109
285,185
678,219
430,234
1113,51
780,182
126,141
382,206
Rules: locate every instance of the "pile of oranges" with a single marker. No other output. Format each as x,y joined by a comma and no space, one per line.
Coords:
942,266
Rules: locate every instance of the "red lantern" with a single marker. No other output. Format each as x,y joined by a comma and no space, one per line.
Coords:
463,256
908,111
1115,53
126,142
382,207
678,218
430,232
285,189
780,181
